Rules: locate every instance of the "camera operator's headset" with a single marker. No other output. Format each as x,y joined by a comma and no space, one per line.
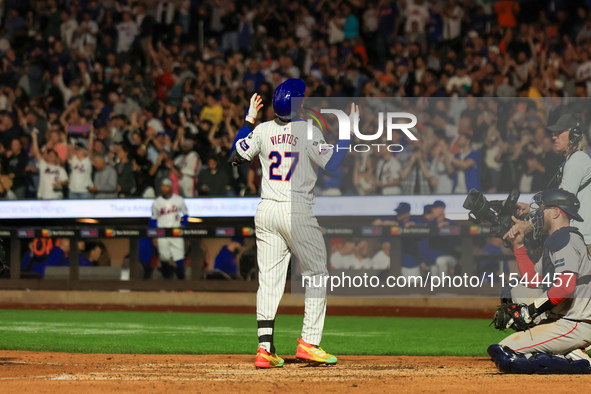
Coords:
575,135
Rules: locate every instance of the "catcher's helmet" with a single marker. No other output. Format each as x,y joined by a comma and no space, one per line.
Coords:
566,201
287,98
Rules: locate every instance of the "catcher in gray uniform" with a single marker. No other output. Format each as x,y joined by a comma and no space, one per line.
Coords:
553,302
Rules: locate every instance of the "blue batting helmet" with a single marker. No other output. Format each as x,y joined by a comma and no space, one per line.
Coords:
288,98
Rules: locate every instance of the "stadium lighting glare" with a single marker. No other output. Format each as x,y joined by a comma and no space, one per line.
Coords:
195,220
88,221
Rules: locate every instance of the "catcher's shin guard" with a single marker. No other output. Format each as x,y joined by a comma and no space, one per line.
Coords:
508,361
542,363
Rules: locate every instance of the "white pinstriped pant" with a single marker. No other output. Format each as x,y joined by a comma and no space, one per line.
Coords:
283,228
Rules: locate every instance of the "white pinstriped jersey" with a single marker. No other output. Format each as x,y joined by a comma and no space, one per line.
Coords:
169,211
289,160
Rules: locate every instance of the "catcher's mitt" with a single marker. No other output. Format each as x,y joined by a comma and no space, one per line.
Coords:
512,315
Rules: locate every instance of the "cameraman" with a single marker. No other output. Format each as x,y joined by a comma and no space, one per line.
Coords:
574,175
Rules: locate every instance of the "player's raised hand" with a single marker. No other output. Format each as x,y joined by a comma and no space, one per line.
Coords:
354,118
256,103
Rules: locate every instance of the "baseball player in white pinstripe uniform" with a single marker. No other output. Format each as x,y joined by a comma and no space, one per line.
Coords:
284,220
169,211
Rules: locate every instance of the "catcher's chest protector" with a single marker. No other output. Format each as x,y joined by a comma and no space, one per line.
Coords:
555,242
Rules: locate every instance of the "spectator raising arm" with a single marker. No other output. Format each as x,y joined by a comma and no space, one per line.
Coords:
35,148
215,142
156,165
150,137
64,117
170,165
86,80
66,92
91,137
415,158
180,137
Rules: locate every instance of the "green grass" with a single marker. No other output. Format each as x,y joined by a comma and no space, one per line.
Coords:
188,333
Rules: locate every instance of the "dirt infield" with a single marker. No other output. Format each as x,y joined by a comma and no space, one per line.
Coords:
52,372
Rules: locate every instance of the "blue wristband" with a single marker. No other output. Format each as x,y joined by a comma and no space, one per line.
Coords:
338,154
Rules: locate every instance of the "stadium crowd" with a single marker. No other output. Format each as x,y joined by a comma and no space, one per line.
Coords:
104,99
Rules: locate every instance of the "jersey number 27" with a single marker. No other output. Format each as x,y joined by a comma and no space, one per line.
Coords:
277,159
